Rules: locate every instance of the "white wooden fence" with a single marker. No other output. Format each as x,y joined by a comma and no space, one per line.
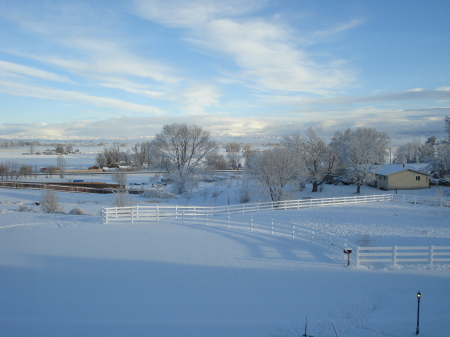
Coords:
413,199
155,213
395,255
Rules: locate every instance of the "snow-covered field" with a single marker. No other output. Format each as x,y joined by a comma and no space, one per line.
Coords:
71,275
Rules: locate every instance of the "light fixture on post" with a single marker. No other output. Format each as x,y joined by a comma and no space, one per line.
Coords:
418,310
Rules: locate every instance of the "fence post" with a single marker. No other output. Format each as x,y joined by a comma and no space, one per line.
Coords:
176,211
243,209
182,217
157,213
293,231
206,223
251,223
137,211
395,255
132,220
431,255
272,226
357,256
228,220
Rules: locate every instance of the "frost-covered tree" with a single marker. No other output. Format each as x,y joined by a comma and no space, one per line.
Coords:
273,169
440,163
120,178
50,203
315,159
415,152
359,152
447,126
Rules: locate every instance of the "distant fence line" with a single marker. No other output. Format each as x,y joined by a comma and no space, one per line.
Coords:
155,213
53,187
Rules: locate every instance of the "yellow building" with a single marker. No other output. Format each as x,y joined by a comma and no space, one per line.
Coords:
402,177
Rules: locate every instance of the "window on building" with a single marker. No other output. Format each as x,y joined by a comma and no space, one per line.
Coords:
418,178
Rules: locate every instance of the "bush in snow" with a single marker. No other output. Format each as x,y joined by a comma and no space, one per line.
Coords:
77,211
121,198
49,203
23,208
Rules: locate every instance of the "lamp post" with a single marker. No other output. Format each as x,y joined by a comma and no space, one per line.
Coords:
418,310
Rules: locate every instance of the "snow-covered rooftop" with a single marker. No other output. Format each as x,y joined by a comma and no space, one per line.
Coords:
394,168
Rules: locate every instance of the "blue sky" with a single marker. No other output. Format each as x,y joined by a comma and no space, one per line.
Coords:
244,68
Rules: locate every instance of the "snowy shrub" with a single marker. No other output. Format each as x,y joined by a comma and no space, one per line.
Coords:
121,198
157,194
19,203
49,203
244,194
23,208
77,211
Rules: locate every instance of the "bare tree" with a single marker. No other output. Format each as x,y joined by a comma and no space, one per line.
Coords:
61,165
315,160
120,178
274,169
447,126
216,161
3,171
232,147
59,149
26,170
183,149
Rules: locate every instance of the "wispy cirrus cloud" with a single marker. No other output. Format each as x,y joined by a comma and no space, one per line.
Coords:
438,94
266,51
18,69
17,89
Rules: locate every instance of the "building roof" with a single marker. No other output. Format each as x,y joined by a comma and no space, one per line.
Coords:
386,170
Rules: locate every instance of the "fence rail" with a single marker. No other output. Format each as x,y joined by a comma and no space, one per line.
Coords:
155,213
434,201
396,254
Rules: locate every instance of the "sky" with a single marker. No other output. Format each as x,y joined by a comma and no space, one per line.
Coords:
250,69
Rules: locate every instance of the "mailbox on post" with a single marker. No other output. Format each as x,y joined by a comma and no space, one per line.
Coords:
348,251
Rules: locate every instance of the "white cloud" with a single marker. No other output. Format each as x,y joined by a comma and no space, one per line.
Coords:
194,13
15,68
61,95
270,59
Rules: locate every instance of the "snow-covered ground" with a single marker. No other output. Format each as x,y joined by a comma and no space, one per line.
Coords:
71,275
